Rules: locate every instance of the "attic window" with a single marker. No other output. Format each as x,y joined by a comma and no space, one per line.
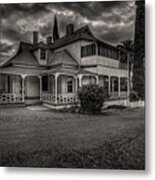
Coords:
42,54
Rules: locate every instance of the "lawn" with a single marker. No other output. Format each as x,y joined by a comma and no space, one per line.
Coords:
113,140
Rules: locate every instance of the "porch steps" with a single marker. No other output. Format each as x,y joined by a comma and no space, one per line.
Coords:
12,105
37,108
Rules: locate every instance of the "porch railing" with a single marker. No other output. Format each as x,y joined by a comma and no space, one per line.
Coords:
115,95
47,97
66,98
61,98
9,98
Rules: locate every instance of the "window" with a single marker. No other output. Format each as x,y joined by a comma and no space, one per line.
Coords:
42,54
2,83
107,51
88,50
70,86
45,83
114,84
123,84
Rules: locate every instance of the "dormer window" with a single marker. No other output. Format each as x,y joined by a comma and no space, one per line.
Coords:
42,54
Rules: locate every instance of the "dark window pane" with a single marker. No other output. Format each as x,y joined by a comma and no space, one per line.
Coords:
42,54
70,86
45,83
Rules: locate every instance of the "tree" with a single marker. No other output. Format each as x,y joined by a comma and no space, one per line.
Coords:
126,49
139,50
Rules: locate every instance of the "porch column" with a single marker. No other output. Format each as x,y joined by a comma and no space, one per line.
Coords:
40,79
128,87
56,88
23,87
76,85
80,82
97,80
119,87
109,85
113,86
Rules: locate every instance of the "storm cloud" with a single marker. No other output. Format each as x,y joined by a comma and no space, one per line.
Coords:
111,21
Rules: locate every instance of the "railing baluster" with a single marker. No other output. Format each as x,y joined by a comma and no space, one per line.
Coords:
61,98
9,98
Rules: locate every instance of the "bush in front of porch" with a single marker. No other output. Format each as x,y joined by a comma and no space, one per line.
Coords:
92,98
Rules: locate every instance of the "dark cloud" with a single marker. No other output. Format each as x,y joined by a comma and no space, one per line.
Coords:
110,21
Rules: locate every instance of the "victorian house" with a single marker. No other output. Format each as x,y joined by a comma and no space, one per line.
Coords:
51,73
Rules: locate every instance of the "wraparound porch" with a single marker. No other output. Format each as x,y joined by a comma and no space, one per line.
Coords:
56,88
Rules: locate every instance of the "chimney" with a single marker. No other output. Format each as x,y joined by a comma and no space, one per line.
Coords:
69,29
49,40
35,37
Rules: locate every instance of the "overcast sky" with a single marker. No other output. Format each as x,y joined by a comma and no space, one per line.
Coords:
110,21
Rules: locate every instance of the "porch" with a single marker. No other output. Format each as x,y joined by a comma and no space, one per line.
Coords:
56,88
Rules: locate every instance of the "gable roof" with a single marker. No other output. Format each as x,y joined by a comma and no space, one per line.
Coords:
21,47
61,57
25,58
81,33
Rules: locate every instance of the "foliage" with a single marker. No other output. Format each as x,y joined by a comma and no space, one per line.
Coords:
139,50
126,49
134,96
91,98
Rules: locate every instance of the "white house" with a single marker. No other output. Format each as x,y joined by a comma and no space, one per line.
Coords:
52,72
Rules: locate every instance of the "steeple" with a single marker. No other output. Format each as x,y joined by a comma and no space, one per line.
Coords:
55,30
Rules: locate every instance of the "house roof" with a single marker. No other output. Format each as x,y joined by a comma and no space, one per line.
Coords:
81,33
24,57
26,48
21,47
40,45
61,57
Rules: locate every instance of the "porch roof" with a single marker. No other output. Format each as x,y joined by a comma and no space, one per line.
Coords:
83,71
20,71
61,71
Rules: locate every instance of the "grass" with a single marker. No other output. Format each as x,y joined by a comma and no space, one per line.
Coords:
115,140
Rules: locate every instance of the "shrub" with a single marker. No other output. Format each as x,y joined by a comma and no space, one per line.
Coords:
92,98
134,96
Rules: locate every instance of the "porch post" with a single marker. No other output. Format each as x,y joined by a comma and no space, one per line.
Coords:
80,83
56,88
97,80
76,85
40,79
113,86
23,87
119,87
128,87
109,85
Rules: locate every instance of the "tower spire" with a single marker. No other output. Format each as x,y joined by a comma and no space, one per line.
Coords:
55,29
